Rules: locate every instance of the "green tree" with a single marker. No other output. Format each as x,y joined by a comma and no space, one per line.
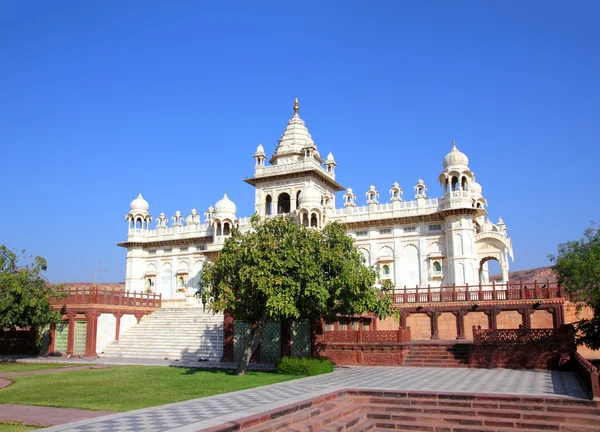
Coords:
25,293
281,270
578,268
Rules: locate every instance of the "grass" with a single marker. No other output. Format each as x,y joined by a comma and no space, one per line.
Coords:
126,388
26,367
15,427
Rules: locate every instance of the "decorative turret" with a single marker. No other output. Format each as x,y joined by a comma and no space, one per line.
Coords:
420,189
161,222
224,218
476,194
209,214
138,217
330,163
372,195
260,156
501,226
349,198
456,176
193,218
396,192
177,219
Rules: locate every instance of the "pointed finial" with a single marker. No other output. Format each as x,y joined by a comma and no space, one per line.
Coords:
296,107
453,144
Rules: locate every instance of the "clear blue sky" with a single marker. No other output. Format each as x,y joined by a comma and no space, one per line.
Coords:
99,100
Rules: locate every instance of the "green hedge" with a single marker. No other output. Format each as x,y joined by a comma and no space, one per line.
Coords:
303,366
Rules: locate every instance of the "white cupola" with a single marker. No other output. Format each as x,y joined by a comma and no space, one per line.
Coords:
349,198
161,221
225,208
177,219
209,214
330,163
310,197
193,218
260,156
396,192
420,189
372,195
138,217
456,176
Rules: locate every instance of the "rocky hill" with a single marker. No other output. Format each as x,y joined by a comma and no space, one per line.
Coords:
539,274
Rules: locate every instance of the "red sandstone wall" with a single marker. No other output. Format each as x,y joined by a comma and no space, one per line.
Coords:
387,324
447,326
420,326
509,320
541,319
475,319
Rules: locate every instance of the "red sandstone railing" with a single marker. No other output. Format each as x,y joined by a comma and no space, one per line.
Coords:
589,376
562,335
483,292
368,336
93,295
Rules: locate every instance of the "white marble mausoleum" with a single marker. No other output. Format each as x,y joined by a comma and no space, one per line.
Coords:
420,241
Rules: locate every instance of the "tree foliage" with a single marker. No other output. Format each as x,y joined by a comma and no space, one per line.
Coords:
578,268
25,293
281,270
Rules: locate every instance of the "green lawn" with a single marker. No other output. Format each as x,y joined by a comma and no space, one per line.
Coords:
15,427
26,367
125,388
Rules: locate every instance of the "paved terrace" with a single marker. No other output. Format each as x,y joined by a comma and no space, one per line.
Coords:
198,414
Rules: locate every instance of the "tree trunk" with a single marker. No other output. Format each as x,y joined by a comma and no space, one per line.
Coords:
257,336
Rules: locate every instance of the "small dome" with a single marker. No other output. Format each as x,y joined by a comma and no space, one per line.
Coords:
260,151
139,204
475,188
225,206
309,197
488,226
455,157
330,157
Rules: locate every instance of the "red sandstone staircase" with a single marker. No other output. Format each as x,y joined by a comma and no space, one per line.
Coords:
438,354
360,411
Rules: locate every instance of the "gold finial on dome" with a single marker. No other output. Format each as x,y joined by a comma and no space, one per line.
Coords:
296,107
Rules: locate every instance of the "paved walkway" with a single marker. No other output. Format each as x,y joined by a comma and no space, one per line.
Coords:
45,416
198,414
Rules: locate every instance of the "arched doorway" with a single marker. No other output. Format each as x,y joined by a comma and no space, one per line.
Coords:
283,203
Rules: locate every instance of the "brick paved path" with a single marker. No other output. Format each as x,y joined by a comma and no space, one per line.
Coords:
198,414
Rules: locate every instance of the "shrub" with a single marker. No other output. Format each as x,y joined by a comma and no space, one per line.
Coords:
303,366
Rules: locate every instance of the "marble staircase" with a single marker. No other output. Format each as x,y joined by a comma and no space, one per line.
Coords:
184,333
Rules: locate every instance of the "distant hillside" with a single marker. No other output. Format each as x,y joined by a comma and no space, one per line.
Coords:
106,286
539,274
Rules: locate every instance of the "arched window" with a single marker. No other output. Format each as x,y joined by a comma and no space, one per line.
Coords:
283,203
447,186
455,183
219,229
268,205
386,270
437,267
298,199
313,220
138,223
226,228
180,281
464,185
